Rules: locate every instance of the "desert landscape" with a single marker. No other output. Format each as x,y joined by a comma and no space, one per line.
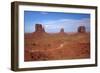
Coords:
43,46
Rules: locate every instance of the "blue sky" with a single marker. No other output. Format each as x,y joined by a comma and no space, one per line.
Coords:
54,21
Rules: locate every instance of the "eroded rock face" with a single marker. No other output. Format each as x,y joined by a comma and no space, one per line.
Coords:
81,29
39,31
39,28
62,30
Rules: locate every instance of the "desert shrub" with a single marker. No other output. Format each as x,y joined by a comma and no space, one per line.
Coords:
38,56
34,44
49,45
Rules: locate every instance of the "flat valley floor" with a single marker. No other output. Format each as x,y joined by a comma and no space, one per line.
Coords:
56,46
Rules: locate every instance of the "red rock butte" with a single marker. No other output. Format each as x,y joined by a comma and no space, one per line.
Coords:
39,28
81,29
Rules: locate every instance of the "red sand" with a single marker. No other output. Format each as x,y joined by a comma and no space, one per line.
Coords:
56,46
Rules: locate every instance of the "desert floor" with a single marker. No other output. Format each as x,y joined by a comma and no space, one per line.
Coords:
45,46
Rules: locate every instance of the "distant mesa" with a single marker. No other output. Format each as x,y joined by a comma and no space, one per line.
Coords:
39,28
62,30
39,31
81,29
